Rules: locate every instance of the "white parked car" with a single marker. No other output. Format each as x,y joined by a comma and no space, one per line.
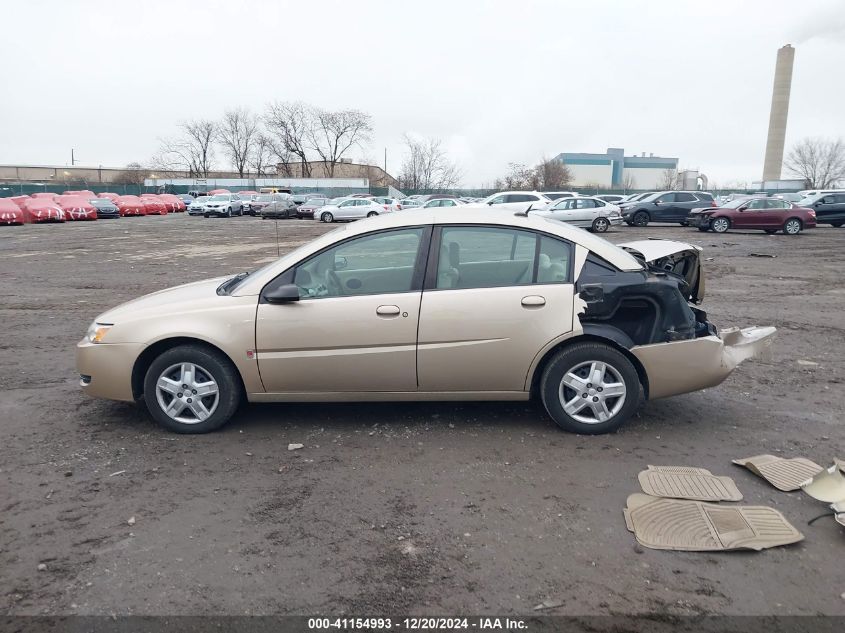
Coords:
197,207
555,195
224,204
351,209
443,202
587,212
389,204
410,203
517,200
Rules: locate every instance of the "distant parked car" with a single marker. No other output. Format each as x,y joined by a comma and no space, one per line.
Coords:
197,206
443,202
555,195
666,206
767,214
108,195
634,198
214,192
590,213
264,199
311,206
187,198
43,209
791,197
154,206
105,208
611,197
246,199
76,207
130,205
224,205
518,200
410,203
282,206
299,198
174,202
389,204
829,207
351,209
11,213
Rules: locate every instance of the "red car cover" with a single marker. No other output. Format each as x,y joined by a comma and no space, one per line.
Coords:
174,201
43,209
154,206
11,213
77,207
216,191
45,194
130,205
108,195
19,200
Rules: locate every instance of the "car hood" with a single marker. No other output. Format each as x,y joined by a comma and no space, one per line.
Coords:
163,301
669,256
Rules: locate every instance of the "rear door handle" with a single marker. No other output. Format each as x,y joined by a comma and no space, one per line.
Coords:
387,311
533,301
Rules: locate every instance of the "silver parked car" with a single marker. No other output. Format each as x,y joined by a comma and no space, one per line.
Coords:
197,207
587,212
351,209
224,205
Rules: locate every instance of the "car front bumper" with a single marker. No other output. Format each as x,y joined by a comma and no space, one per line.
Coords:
698,220
305,213
105,369
684,366
219,211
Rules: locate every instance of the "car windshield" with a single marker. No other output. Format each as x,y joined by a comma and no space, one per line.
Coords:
220,197
201,199
738,202
99,202
264,197
803,202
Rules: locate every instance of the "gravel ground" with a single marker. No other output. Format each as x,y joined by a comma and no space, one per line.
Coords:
393,508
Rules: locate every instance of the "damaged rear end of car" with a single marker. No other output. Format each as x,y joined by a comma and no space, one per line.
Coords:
653,313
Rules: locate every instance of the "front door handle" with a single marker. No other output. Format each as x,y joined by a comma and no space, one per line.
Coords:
388,311
533,301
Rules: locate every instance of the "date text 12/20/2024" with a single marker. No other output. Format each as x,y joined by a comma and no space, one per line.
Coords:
418,624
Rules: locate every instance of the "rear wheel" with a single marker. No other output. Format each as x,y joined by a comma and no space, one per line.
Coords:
837,224
192,389
641,218
792,226
327,217
720,225
600,225
590,388
229,212
371,214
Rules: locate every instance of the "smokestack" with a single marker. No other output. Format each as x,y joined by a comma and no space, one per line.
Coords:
777,117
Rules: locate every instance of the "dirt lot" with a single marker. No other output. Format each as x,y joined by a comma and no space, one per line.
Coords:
405,508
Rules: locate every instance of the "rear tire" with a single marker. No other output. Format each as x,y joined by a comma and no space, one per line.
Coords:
327,217
792,226
371,214
210,368
571,373
229,212
641,218
600,225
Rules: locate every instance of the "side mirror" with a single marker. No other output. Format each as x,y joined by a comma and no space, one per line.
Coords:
742,209
283,294
340,263
490,204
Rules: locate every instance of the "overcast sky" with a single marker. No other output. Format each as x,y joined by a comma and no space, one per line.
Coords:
497,81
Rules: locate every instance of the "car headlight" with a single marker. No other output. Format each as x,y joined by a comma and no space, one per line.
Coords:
97,331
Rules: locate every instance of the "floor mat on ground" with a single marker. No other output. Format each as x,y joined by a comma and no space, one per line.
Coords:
681,524
683,482
783,474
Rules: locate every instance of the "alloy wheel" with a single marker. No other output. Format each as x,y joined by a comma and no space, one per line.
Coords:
600,225
592,392
720,225
792,227
187,393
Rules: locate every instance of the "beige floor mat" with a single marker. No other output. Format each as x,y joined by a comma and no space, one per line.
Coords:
681,524
827,485
683,482
783,474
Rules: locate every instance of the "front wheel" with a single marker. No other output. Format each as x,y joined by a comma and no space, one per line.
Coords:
192,389
371,214
792,226
229,212
720,225
600,225
641,218
590,388
327,217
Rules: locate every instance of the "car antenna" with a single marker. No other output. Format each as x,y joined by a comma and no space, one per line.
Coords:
524,214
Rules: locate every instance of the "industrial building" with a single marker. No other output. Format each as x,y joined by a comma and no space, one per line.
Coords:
614,170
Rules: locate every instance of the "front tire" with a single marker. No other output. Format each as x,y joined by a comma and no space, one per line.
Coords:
641,218
372,214
836,225
327,217
792,226
600,225
590,388
720,225
229,212
192,389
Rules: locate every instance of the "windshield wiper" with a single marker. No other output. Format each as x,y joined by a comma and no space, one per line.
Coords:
230,284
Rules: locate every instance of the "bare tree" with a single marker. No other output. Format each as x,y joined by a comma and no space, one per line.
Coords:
547,174
820,162
191,152
261,157
238,133
669,180
427,166
289,127
134,174
332,134
629,183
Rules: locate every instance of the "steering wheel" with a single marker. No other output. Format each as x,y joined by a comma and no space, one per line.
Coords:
333,283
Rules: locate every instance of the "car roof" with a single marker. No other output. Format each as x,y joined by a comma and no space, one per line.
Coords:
479,214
